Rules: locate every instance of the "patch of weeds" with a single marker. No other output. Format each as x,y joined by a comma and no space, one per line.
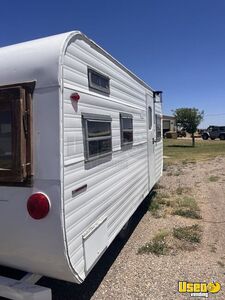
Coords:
187,207
187,161
162,201
187,213
167,164
213,248
170,242
154,207
178,173
158,186
157,200
164,167
190,234
192,162
162,195
188,202
181,190
184,162
221,264
157,246
213,178
169,203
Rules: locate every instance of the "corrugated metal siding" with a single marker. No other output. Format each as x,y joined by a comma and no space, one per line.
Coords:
114,188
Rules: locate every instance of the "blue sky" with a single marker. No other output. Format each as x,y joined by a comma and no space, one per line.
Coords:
177,46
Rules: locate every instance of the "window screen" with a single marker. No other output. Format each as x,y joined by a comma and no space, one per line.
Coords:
97,136
158,127
126,129
98,81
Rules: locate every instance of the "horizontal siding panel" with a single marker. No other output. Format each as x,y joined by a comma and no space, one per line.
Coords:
96,60
114,188
115,197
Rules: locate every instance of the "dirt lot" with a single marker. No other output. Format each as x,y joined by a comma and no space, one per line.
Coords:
122,273
148,276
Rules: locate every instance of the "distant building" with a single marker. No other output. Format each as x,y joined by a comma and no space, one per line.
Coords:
169,124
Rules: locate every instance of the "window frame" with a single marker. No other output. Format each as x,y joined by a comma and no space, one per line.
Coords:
96,87
126,145
18,98
95,118
158,138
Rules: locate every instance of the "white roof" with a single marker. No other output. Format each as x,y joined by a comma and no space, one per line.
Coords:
34,60
39,60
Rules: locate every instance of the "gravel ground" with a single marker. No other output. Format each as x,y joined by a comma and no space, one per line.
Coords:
122,274
151,277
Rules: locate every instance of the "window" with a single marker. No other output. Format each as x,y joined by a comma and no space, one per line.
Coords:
15,135
97,136
149,118
158,127
126,129
98,81
215,129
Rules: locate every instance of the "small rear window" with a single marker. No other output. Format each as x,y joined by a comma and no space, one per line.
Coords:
98,81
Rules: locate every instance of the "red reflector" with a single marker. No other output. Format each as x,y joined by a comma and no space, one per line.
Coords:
38,206
75,97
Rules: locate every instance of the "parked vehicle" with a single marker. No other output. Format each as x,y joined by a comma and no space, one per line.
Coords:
86,138
214,132
181,133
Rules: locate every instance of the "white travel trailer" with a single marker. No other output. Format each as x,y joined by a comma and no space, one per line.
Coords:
80,148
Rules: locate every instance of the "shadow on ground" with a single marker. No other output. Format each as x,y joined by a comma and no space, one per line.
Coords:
62,290
180,146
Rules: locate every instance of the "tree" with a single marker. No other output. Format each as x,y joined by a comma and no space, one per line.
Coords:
189,119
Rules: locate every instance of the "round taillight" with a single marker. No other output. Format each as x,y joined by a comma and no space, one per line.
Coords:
38,206
75,97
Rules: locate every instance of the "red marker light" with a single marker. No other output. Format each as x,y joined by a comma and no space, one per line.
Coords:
75,97
38,206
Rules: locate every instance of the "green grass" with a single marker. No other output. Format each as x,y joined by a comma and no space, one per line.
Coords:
157,246
214,178
181,150
190,234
